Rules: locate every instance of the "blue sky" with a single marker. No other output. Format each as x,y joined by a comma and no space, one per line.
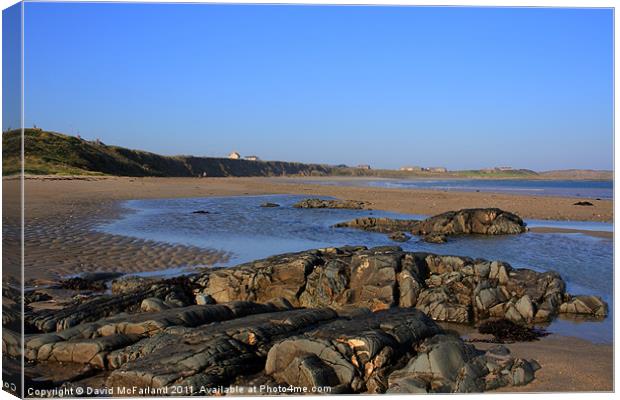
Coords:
387,86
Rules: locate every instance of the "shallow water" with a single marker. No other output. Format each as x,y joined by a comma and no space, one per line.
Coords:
241,226
563,188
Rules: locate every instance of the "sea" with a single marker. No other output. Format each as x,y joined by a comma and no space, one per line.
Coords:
535,187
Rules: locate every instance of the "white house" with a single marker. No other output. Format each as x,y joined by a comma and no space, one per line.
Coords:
234,155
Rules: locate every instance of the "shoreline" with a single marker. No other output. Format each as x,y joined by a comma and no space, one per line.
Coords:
407,201
63,211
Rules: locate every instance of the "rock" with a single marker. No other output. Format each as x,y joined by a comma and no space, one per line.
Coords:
269,205
309,371
448,288
129,284
444,364
435,238
381,225
36,296
522,373
484,221
587,305
525,307
201,212
11,343
262,280
356,353
211,355
153,304
399,237
583,203
101,337
320,203
103,306
203,299
79,283
366,326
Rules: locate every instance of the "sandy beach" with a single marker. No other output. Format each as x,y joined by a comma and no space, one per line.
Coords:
60,212
59,241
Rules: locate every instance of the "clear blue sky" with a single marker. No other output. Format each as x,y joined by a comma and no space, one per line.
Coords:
387,86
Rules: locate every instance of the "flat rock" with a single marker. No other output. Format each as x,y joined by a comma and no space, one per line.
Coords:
320,203
381,225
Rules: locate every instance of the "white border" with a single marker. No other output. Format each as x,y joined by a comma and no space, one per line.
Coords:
480,3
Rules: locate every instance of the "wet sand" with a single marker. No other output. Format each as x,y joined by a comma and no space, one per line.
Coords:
43,191
568,364
61,212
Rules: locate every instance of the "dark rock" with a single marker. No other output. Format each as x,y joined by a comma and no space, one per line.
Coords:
586,305
435,238
131,283
506,331
211,355
269,205
399,237
448,288
444,363
583,203
483,221
381,225
201,212
36,296
356,354
366,326
79,283
99,307
94,342
320,203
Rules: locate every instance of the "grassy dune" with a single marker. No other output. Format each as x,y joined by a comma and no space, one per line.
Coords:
52,153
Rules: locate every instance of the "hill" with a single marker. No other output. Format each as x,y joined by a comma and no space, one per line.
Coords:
575,174
51,153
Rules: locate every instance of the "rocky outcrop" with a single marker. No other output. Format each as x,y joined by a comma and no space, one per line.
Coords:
447,288
171,291
399,237
269,205
481,221
320,203
351,319
92,343
446,364
350,350
381,225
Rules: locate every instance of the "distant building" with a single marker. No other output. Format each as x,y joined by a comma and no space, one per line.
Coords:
252,158
503,168
363,166
234,155
435,169
410,168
